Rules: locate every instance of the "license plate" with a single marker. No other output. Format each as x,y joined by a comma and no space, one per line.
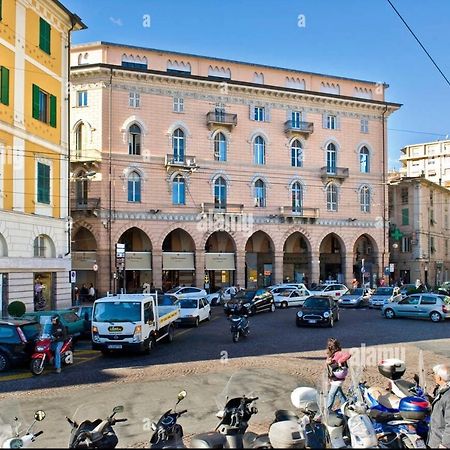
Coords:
115,346
312,321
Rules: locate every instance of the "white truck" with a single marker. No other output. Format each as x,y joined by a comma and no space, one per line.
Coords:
133,322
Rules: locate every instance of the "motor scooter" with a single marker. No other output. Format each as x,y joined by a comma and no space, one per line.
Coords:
239,326
25,439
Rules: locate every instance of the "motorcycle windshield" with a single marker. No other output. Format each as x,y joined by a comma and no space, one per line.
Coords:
95,411
11,420
46,327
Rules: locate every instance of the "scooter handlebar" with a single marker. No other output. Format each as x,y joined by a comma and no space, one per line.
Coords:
38,434
120,420
182,412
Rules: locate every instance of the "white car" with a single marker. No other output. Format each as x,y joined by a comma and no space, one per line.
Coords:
193,311
278,288
221,296
186,292
333,290
291,297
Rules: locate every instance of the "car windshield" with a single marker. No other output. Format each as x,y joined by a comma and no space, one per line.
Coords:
245,294
31,330
384,291
321,303
166,300
188,304
357,291
172,291
111,311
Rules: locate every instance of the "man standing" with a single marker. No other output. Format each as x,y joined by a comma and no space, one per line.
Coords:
439,434
91,293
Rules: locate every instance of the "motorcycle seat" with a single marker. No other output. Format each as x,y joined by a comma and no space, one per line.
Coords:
384,398
284,414
334,419
208,440
404,386
261,440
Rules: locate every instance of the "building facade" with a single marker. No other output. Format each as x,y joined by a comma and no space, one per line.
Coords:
430,160
419,238
218,170
34,253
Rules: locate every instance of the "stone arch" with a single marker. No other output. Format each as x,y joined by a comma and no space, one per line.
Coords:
3,246
88,240
259,259
133,233
207,235
192,233
332,251
131,120
297,256
44,246
293,230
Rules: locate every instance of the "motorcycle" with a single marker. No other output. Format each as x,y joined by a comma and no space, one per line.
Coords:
28,436
167,432
43,352
239,325
96,434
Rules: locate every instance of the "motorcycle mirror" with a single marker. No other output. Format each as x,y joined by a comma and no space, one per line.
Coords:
16,443
220,414
153,426
118,409
181,395
39,415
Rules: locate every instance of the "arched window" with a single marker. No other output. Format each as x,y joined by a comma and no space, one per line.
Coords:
220,147
260,194
220,193
134,140
179,191
43,247
332,197
79,136
331,158
296,154
364,199
134,187
259,150
364,160
297,197
81,187
178,145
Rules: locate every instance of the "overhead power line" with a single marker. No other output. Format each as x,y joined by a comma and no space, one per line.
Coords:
420,43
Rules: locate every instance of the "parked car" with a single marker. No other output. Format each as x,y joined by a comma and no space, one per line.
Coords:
318,310
290,297
383,295
251,301
408,289
278,288
332,289
221,296
426,306
85,313
193,311
357,298
187,292
166,300
17,339
71,320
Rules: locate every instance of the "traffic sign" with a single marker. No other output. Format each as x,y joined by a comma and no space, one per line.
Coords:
391,267
73,276
95,267
387,271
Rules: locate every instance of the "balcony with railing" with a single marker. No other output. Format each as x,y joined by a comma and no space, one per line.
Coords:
86,204
86,155
180,162
297,211
216,118
338,173
222,208
298,127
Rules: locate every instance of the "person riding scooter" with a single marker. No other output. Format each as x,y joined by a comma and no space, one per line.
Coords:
59,336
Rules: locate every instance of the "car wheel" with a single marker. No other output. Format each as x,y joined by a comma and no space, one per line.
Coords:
272,307
284,305
170,334
4,362
209,316
197,322
150,346
435,316
389,313
331,324
253,310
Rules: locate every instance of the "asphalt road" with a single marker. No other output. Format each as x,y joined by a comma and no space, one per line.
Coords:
270,333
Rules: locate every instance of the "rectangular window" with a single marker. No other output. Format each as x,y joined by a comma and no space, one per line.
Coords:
446,220
432,221
178,104
404,196
134,99
44,106
405,216
4,85
259,114
43,183
44,36
432,247
296,117
406,244
364,125
82,98
331,122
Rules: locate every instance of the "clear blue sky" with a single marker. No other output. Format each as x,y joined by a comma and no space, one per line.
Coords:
353,38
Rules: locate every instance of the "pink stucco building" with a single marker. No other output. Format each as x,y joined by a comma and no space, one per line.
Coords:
246,173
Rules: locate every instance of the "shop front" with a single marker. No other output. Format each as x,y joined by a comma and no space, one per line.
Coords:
221,269
84,264
44,291
138,271
259,270
178,269
295,267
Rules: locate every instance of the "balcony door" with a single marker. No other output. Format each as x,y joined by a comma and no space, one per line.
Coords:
81,190
331,158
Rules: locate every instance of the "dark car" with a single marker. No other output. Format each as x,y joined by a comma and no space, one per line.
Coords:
250,301
85,313
318,310
17,339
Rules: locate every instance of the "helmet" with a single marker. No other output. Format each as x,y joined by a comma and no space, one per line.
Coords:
301,397
55,317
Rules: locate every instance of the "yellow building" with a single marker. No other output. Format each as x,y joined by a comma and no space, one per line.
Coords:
34,218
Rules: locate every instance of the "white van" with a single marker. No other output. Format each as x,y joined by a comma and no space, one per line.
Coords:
131,322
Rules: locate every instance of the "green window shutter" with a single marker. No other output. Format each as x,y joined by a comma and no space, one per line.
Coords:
35,102
405,216
4,95
53,111
43,194
44,35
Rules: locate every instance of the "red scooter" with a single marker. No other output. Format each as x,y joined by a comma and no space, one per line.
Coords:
43,352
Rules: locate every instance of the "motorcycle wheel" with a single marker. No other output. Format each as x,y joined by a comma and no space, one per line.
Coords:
37,366
236,336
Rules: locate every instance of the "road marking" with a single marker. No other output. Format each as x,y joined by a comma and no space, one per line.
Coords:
193,328
17,376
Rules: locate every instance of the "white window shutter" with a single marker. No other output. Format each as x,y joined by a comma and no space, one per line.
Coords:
338,122
324,120
252,112
266,114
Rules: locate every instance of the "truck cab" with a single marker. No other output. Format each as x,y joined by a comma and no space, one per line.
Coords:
131,322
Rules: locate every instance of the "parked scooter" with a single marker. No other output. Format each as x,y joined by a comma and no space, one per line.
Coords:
43,353
96,434
167,432
239,326
25,439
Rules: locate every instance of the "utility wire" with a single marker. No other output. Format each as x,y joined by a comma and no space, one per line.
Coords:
420,43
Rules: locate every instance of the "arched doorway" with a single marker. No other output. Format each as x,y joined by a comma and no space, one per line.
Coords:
259,260
178,259
332,259
138,261
296,259
44,282
84,257
365,267
220,251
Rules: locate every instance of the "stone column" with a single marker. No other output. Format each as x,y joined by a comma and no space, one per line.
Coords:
348,268
278,267
315,267
200,269
240,269
157,267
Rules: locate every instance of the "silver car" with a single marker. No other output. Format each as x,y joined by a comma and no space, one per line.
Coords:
383,295
426,305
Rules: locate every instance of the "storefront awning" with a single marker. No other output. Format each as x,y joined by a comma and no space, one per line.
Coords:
178,261
219,261
83,260
138,261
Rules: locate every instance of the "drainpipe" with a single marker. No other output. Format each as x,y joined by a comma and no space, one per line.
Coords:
384,190
110,183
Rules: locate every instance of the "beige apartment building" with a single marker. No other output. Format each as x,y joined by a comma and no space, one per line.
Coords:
419,237
204,168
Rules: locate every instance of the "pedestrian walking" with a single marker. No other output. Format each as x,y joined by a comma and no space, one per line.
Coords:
439,433
84,293
91,293
337,371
